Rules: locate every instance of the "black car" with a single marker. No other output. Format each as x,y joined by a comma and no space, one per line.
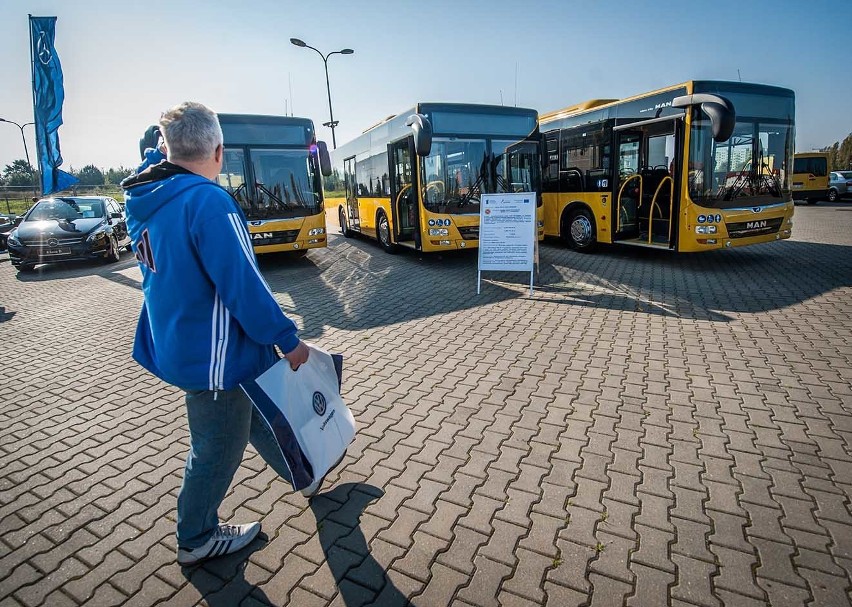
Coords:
7,224
64,228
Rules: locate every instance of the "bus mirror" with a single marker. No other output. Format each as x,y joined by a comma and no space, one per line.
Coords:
723,117
422,133
324,160
150,139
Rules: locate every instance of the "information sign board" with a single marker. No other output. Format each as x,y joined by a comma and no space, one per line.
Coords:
507,234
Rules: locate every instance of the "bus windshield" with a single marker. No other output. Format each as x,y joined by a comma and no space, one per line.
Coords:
458,171
516,166
752,167
285,182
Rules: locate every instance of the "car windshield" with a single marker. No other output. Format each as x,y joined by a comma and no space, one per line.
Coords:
66,209
845,174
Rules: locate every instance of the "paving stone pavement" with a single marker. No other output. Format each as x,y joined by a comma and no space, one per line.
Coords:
647,429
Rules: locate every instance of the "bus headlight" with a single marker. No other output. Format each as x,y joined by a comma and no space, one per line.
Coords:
316,231
705,229
438,232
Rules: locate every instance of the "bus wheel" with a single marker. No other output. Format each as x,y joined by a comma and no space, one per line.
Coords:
579,231
383,230
344,226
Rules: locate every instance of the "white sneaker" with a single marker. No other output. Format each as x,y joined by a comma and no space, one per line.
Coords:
312,489
225,540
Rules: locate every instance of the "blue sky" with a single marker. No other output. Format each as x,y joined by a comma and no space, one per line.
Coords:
124,63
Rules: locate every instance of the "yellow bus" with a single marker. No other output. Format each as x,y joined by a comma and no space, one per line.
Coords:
692,167
272,167
415,179
810,176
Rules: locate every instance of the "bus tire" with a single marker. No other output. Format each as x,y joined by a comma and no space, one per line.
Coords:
578,230
344,224
383,232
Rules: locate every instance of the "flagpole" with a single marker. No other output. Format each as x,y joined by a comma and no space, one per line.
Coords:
32,87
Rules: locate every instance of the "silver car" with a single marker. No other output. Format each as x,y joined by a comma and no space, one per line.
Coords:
839,185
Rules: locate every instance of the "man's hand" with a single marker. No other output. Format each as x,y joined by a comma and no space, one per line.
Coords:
298,355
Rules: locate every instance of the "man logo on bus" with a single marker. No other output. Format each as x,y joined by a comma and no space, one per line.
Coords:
756,225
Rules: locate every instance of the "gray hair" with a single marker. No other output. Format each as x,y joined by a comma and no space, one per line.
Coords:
191,131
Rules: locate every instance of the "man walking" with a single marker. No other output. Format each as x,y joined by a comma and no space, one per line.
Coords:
208,321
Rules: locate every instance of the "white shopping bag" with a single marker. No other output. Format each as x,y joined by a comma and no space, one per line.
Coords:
304,411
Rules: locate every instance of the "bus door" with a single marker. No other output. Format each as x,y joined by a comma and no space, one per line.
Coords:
351,194
646,199
404,206
628,186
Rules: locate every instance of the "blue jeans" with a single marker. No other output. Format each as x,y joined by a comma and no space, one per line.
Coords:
219,429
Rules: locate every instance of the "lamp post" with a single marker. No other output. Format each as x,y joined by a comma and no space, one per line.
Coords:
26,151
346,51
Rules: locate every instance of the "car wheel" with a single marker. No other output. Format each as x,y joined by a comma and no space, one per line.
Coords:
832,195
383,232
344,225
25,267
114,253
579,232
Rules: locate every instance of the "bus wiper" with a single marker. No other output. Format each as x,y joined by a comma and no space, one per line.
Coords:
757,181
263,189
476,188
235,193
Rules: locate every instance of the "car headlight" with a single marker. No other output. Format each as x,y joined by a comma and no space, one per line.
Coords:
12,239
97,236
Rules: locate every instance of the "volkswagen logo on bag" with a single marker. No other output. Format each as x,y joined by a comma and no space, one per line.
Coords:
319,403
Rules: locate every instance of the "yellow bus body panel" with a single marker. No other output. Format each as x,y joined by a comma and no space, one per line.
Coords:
597,202
303,240
808,185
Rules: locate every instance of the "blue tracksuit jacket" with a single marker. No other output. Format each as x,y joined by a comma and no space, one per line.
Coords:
209,320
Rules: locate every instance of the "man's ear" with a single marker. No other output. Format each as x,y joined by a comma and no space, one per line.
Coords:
220,150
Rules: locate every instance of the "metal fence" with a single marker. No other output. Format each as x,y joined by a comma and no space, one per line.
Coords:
16,199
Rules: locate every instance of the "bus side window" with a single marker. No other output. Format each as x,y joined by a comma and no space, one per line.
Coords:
551,177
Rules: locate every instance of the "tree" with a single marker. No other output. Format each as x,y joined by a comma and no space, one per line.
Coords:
90,175
115,176
840,154
18,174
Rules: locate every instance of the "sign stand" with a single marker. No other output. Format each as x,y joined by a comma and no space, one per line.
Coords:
508,235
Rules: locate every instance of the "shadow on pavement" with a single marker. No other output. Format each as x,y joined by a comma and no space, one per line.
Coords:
355,285
359,577
4,315
221,581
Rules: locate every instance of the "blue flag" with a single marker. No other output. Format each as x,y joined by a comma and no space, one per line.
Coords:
48,96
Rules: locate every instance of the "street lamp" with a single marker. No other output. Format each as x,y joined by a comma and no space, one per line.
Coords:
26,152
346,51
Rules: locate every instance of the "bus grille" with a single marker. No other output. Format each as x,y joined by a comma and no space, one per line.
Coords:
260,239
758,227
469,233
